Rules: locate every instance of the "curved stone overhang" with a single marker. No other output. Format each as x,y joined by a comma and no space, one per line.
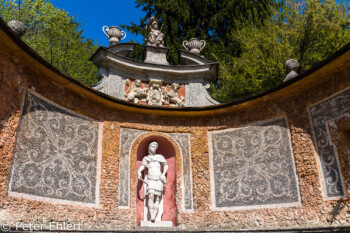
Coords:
123,49
188,58
103,57
323,71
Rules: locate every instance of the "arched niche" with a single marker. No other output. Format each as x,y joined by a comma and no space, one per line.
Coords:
171,152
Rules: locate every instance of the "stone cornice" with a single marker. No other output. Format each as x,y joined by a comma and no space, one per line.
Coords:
104,58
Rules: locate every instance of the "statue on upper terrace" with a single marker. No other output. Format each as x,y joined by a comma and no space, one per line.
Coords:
155,36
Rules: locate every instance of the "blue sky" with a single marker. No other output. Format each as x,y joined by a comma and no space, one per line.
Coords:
95,14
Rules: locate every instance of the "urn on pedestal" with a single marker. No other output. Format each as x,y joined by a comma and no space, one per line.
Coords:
18,27
114,34
292,67
194,45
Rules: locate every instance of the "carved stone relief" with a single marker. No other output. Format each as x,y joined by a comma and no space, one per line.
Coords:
127,136
253,165
136,92
56,153
320,113
154,93
173,96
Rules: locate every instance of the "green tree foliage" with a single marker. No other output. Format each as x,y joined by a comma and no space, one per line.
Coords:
251,39
55,35
210,20
307,31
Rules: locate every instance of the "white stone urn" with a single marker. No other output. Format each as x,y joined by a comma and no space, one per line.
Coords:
194,45
114,34
18,27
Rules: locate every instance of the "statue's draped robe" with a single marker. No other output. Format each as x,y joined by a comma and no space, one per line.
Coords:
155,38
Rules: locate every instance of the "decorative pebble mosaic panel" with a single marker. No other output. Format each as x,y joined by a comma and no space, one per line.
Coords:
184,141
127,136
56,153
253,165
320,113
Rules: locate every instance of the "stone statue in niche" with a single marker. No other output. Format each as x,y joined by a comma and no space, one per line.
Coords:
136,92
156,94
172,95
155,36
155,167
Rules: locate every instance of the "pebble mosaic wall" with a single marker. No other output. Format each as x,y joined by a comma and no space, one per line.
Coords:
184,141
320,113
253,165
127,136
56,153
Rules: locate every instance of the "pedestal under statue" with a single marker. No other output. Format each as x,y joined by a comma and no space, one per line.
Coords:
155,167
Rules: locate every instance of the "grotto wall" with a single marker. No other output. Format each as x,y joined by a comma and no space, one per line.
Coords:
69,153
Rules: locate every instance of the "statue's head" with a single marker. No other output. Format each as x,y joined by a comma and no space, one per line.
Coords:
175,86
155,25
152,147
152,24
155,85
138,83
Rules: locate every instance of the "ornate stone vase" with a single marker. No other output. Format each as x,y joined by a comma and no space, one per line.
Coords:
18,27
194,45
114,34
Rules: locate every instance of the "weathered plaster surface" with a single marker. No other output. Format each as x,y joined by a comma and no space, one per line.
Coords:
115,84
197,95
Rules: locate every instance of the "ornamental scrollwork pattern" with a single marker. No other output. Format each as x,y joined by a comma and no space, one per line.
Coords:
253,165
127,136
184,141
320,113
55,154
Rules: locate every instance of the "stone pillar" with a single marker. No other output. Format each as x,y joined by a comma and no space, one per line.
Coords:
156,55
